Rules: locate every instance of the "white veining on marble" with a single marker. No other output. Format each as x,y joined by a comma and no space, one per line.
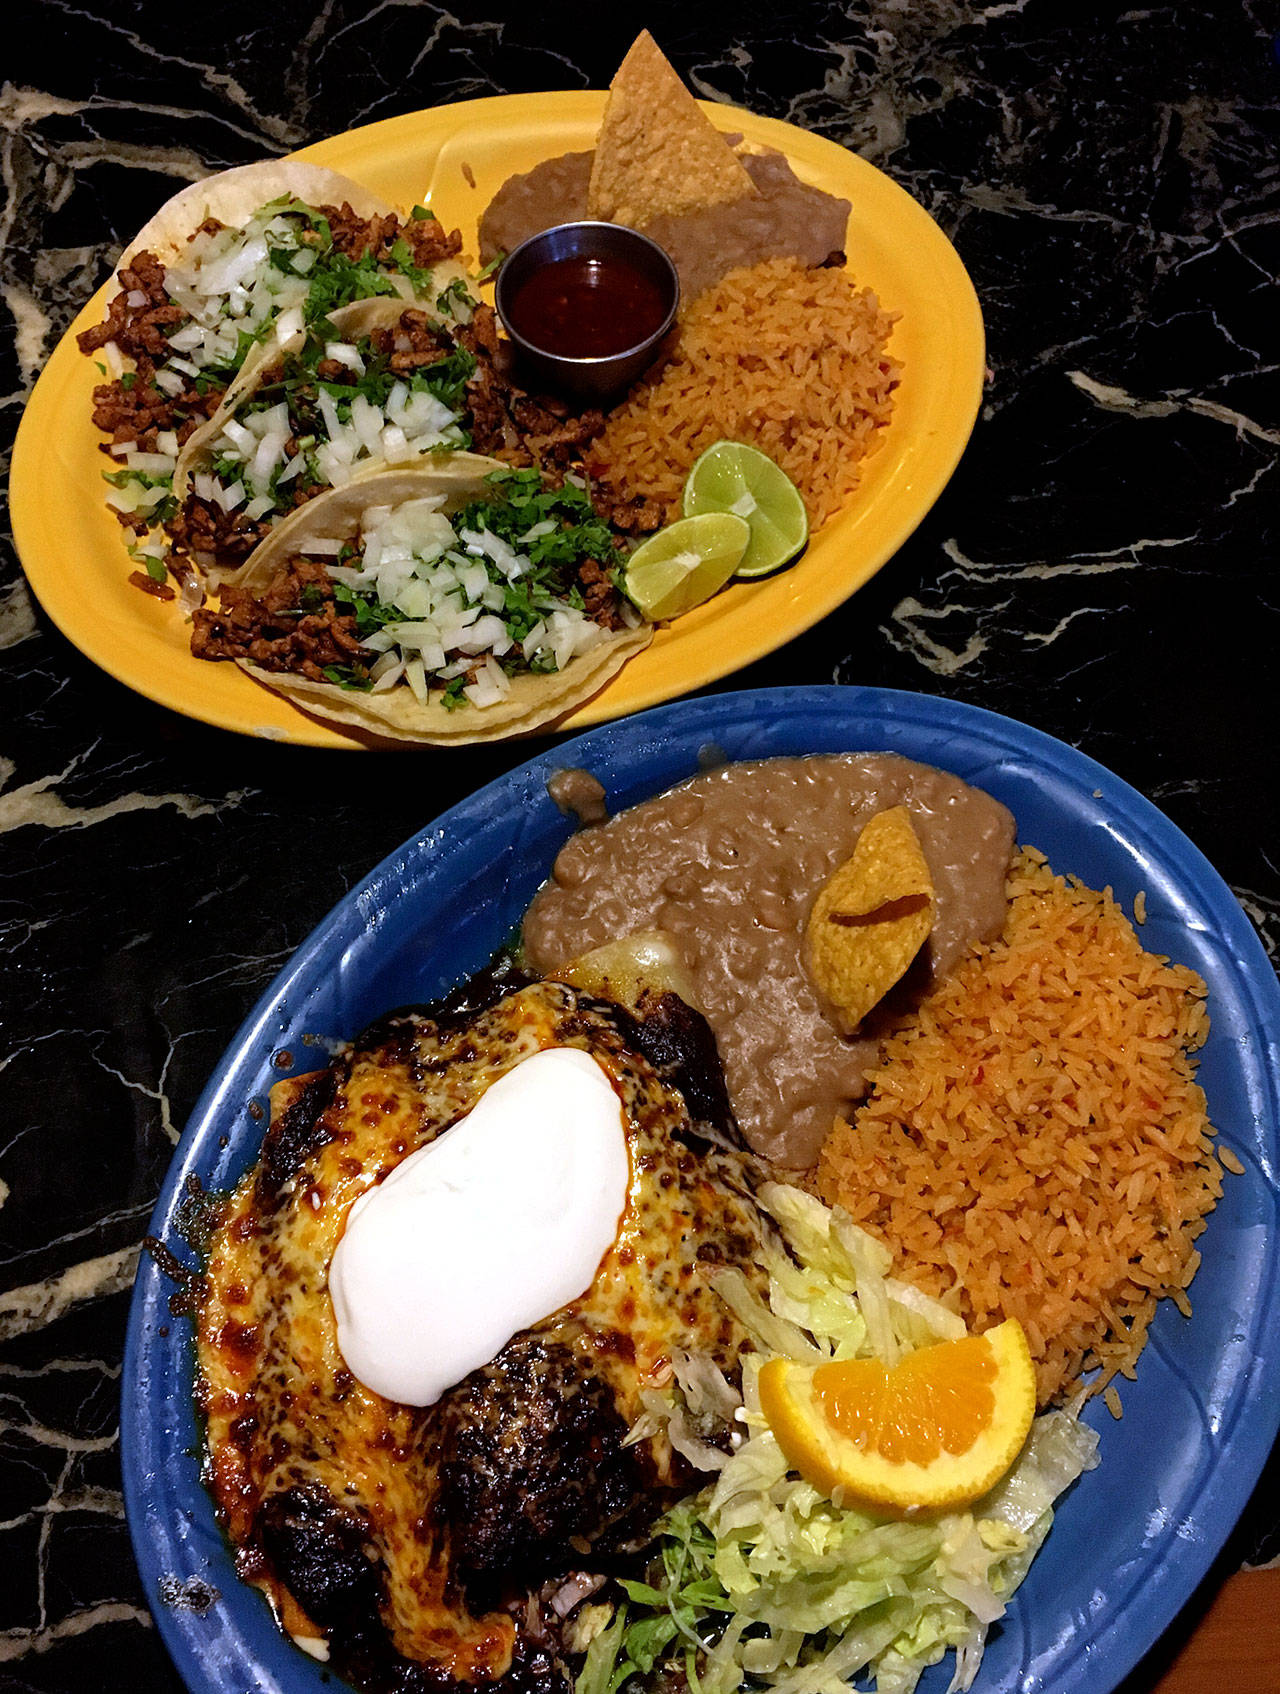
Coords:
1043,639
41,1303
35,804
910,614
18,1643
59,1367
21,108
1045,570
136,1214
31,333
17,614
20,1051
1113,399
43,1436
159,1094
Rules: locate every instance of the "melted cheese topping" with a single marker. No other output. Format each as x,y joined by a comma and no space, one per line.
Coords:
284,1411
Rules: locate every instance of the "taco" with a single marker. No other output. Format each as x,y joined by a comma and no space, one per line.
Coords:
377,384
457,602
225,268
234,196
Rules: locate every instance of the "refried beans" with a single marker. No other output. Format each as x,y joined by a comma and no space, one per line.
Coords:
784,218
729,864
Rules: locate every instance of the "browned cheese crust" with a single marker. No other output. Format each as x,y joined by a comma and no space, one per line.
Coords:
306,1465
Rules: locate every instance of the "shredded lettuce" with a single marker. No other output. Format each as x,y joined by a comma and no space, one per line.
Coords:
761,1582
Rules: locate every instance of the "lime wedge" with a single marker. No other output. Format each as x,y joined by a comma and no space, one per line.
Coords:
732,477
686,563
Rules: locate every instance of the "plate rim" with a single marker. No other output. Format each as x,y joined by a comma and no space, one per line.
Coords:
276,719
1251,1430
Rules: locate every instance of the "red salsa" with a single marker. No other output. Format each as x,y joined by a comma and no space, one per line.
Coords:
586,307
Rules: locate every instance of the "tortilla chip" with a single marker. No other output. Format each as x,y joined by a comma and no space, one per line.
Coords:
658,154
533,702
871,919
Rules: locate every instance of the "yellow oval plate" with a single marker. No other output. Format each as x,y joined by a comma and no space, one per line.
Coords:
453,159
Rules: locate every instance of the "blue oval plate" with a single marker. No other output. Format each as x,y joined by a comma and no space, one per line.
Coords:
1134,1537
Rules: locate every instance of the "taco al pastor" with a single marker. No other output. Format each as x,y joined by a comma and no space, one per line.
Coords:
457,602
225,267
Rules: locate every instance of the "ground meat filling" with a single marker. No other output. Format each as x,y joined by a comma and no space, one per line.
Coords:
429,241
627,514
504,422
150,585
507,421
294,626
133,409
415,341
599,596
522,429
140,330
202,531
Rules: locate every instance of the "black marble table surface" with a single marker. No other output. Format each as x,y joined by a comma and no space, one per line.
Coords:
1103,566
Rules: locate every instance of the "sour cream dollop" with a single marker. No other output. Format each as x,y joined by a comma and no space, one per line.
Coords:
497,1223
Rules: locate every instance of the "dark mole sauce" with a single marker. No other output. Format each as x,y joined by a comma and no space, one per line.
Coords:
586,307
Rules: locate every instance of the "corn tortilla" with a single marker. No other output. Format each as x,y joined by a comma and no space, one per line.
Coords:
233,196
533,701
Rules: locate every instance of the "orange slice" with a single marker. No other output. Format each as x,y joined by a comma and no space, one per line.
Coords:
935,1431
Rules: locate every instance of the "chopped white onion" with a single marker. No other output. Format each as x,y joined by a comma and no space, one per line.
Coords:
341,352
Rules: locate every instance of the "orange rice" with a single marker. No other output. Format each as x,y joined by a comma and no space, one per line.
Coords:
1035,1144
790,360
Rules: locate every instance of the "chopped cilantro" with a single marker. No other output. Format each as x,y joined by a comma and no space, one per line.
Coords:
348,676
298,385
523,504
144,479
369,614
457,293
336,281
402,253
